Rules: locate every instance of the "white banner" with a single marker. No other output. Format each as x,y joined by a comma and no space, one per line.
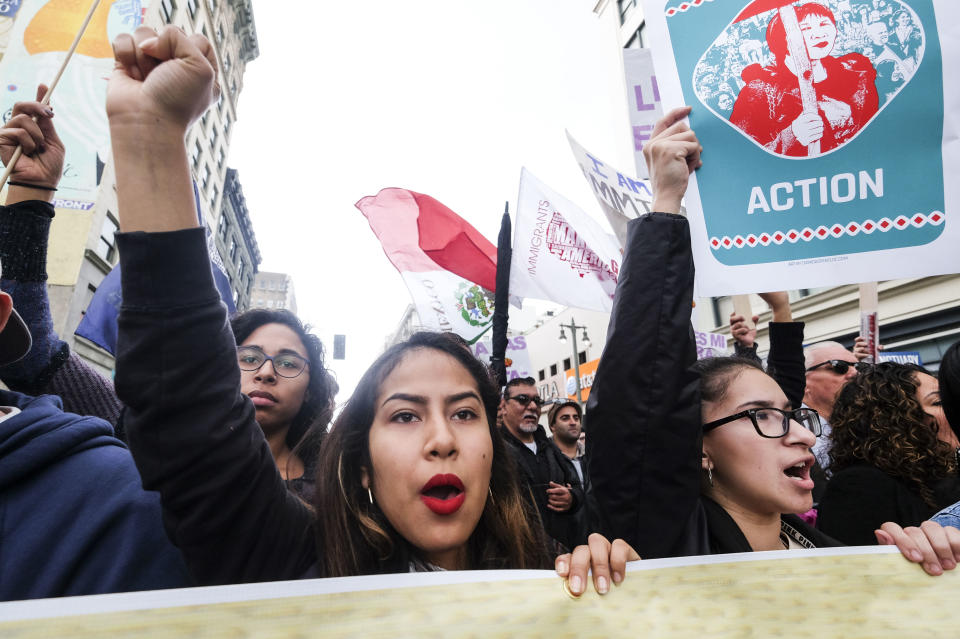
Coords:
447,302
621,197
517,355
560,253
710,344
643,101
846,177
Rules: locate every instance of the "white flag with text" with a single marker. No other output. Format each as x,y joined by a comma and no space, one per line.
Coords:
560,253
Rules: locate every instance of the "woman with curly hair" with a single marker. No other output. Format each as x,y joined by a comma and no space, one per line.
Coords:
893,455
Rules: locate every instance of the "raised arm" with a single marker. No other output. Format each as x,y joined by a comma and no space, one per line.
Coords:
643,411
193,434
49,367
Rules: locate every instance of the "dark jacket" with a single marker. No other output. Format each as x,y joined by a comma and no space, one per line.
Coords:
50,368
193,435
73,517
860,498
536,472
644,407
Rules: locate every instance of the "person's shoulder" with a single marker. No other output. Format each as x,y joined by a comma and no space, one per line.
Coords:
862,476
757,73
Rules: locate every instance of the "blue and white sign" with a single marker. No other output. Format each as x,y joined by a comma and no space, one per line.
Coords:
902,357
828,128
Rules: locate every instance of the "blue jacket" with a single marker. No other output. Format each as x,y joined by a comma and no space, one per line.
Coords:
74,519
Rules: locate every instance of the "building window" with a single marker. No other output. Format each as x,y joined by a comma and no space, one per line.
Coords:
213,195
226,63
106,245
553,369
192,8
240,272
542,375
213,137
636,40
233,250
211,5
566,364
221,158
167,8
626,7
582,357
226,125
219,33
224,223
205,177
195,154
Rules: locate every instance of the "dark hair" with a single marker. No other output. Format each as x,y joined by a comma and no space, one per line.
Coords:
949,377
717,373
878,420
777,35
354,537
308,426
519,381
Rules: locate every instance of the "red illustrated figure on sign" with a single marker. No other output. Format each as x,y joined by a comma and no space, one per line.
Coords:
807,102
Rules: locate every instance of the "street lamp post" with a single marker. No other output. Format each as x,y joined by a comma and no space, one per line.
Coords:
576,353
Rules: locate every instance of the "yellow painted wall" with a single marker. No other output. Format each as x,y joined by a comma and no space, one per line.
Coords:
68,239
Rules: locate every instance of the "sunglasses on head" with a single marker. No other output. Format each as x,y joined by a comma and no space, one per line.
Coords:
523,400
838,366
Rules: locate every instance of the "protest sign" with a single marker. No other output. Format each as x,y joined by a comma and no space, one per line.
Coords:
833,178
710,344
516,352
560,254
41,35
834,592
901,357
621,197
643,101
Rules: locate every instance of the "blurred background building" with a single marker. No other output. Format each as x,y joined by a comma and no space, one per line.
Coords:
82,247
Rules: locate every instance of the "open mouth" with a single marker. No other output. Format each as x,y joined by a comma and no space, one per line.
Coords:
443,494
800,471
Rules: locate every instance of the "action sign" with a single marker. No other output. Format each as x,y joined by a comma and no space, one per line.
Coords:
828,128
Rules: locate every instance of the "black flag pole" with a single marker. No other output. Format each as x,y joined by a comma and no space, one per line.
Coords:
501,300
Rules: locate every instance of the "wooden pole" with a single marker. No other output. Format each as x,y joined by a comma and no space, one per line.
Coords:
53,85
741,306
869,305
804,67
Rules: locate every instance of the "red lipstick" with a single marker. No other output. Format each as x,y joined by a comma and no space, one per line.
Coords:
443,494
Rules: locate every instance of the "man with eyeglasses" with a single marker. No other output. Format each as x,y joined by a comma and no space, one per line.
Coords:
829,366
550,476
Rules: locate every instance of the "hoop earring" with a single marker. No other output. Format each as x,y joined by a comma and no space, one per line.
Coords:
370,495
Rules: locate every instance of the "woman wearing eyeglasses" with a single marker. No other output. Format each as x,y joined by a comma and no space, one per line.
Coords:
893,456
699,458
282,372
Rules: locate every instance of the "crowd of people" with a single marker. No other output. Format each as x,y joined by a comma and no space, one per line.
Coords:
214,457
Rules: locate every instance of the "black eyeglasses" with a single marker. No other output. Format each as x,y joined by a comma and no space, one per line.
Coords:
526,399
838,366
251,358
773,422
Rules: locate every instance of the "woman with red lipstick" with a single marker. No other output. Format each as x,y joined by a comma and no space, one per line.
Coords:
709,457
414,476
769,108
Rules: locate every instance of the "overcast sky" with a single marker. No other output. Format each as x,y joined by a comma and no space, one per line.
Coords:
445,97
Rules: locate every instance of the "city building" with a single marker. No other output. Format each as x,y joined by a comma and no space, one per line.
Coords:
236,241
82,248
918,314
273,290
